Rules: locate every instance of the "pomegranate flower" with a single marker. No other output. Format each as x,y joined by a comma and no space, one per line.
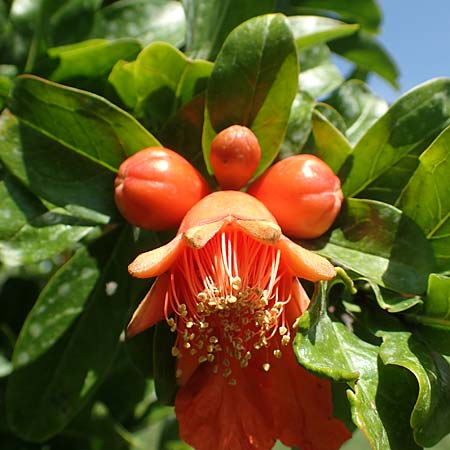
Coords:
227,285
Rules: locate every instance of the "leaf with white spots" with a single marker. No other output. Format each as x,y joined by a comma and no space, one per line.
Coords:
59,304
55,375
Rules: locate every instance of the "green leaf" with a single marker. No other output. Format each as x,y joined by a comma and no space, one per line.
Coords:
55,228
144,20
426,197
365,51
56,174
358,106
299,125
365,12
165,80
91,59
377,241
328,348
44,395
164,364
122,79
318,74
385,157
392,301
84,122
17,206
430,418
313,30
210,21
59,304
320,344
437,304
183,132
253,83
330,144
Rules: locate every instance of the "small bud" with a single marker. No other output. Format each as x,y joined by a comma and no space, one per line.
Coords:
156,187
235,155
303,194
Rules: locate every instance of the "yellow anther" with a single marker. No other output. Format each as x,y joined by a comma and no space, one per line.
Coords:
175,352
178,373
202,359
277,353
226,373
282,330
266,367
232,382
285,339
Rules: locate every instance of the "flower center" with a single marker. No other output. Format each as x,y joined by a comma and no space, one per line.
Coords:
229,298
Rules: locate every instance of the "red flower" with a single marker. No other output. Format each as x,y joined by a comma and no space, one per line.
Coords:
227,285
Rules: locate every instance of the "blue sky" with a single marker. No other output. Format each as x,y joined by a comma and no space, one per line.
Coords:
417,35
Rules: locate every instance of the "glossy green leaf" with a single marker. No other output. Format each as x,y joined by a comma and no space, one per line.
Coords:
426,197
84,122
332,115
313,30
328,348
122,79
17,206
59,304
253,83
299,125
365,12
386,156
165,80
358,106
433,319
318,74
210,21
56,228
377,241
44,395
330,144
56,174
144,20
365,51
91,59
430,418
391,301
437,304
320,344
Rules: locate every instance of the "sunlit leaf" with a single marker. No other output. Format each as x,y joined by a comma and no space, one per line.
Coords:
253,83
313,30
358,106
56,174
165,80
386,156
377,241
318,74
365,51
91,59
44,395
84,122
144,20
365,12
210,21
426,198
328,348
330,144
299,125
430,418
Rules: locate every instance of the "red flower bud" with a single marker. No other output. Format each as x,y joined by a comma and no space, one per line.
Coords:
303,194
156,187
235,155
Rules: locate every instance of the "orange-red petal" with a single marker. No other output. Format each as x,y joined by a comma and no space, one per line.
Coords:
304,263
157,261
151,308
